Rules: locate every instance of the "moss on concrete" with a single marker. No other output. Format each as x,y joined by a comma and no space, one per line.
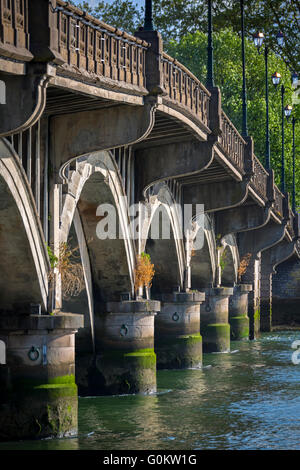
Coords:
46,410
239,328
216,337
120,372
181,352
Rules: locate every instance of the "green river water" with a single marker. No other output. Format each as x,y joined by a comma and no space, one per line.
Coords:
246,399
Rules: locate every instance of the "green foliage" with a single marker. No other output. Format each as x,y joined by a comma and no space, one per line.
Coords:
52,257
191,51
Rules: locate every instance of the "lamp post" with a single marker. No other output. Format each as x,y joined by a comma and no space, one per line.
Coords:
294,178
258,42
210,57
285,112
148,23
244,93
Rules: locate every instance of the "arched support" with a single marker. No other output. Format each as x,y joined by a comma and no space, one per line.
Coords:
92,131
24,263
270,259
30,90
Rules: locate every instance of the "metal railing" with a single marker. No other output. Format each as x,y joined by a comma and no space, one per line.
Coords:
184,88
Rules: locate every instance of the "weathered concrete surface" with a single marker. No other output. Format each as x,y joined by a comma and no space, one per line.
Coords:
173,160
238,312
216,196
126,361
214,326
30,91
92,131
240,219
24,263
286,293
178,343
38,395
270,259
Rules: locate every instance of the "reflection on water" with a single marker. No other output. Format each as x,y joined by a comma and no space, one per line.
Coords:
248,399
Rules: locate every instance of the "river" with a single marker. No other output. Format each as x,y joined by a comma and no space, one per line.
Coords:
246,399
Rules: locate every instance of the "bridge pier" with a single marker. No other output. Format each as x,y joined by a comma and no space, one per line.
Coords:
178,343
38,394
238,312
214,325
127,362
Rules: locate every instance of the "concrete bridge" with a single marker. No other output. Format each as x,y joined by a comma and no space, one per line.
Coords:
91,115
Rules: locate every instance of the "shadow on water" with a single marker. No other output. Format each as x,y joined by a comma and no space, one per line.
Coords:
247,399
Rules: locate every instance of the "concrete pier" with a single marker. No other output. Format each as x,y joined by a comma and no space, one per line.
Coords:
38,395
178,343
238,312
127,362
214,325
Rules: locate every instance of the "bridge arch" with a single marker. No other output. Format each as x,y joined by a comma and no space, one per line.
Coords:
24,263
161,238
97,181
203,262
230,265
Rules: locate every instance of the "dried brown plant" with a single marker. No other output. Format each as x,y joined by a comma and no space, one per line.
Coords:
144,272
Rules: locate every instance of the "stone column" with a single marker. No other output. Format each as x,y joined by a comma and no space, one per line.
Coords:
38,396
252,276
238,312
214,326
266,298
178,343
127,362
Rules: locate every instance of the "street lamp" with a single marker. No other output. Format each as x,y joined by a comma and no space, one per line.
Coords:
210,57
148,23
285,112
258,42
244,93
259,39
294,182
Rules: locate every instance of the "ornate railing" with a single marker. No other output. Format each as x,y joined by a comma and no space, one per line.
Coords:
89,44
232,142
278,203
14,24
259,180
184,88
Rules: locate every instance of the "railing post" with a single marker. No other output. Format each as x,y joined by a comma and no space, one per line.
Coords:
153,66
215,111
43,30
249,156
270,187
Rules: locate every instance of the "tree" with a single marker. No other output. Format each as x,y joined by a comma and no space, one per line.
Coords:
191,51
176,18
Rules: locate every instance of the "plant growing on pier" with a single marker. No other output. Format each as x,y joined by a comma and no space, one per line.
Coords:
70,270
244,263
144,272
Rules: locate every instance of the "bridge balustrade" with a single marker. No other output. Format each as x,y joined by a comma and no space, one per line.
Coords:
232,142
184,88
87,43
259,180
14,26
